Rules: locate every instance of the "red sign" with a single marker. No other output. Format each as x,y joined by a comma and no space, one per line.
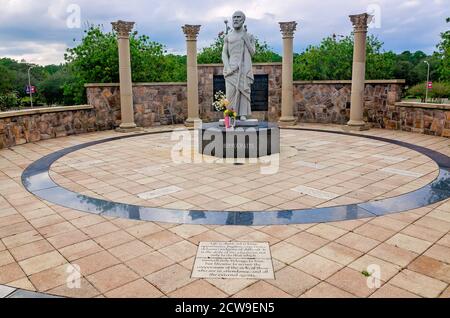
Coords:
430,85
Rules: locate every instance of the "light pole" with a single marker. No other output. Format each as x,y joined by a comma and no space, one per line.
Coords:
227,28
29,85
428,80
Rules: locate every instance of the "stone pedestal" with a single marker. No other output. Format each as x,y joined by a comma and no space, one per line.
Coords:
240,142
360,22
123,29
191,32
287,90
242,123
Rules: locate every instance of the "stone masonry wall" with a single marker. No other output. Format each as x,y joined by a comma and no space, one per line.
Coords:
316,101
430,119
329,101
153,102
29,126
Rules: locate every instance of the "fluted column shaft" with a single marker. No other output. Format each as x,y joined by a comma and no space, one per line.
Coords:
360,22
123,30
191,32
287,89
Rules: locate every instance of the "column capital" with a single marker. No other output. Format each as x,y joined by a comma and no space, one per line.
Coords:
123,28
360,21
191,31
288,29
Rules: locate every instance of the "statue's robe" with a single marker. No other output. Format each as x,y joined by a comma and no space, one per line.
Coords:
239,94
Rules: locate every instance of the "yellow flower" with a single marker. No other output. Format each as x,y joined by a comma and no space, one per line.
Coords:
226,102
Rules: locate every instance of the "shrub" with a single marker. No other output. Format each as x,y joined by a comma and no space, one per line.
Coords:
439,90
8,101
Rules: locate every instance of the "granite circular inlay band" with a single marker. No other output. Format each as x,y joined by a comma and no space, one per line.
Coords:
37,180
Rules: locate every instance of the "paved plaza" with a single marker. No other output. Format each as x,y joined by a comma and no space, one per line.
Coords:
124,257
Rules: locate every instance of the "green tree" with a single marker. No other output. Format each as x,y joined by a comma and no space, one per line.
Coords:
213,53
96,60
6,80
14,79
444,54
332,60
380,64
421,68
176,68
52,88
411,67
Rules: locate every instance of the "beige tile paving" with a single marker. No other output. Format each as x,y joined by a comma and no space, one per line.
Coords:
126,258
96,262
262,290
112,278
439,252
79,250
130,250
317,266
338,253
393,254
50,278
137,289
170,278
409,243
42,262
418,284
149,263
231,286
32,249
293,281
387,270
86,290
287,253
326,290
198,289
351,281
10,273
391,291
179,251
431,267
307,241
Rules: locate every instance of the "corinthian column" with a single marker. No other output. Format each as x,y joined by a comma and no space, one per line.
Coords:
123,30
287,88
359,22
191,32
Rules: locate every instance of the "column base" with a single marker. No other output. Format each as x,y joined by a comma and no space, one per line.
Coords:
353,127
126,128
287,121
190,122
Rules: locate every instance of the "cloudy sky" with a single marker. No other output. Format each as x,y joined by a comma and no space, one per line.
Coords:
40,31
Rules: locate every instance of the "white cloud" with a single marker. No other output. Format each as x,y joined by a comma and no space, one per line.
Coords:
35,52
44,21
410,4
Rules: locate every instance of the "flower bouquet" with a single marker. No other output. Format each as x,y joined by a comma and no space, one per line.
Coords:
221,103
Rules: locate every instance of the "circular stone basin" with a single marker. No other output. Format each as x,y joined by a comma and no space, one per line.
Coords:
256,141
